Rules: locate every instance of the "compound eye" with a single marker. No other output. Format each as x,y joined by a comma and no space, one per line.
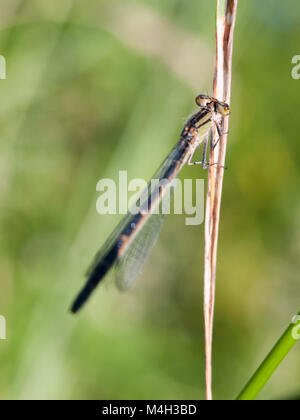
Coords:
203,100
223,108
226,109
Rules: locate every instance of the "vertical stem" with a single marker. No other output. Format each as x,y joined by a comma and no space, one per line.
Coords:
226,16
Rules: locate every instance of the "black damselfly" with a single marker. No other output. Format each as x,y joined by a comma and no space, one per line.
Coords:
130,244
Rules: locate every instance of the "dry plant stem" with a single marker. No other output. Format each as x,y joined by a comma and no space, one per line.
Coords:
226,16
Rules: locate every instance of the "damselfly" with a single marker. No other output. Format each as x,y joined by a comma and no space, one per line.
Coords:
131,242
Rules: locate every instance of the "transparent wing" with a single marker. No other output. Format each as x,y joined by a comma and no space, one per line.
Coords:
131,242
109,243
130,266
162,173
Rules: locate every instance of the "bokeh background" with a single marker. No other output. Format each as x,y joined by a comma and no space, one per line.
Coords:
98,86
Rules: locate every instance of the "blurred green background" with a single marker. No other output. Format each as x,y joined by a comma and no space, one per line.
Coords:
98,86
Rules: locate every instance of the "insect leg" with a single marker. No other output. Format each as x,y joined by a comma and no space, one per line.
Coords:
220,135
203,161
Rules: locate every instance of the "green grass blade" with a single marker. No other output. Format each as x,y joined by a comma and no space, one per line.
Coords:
272,361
